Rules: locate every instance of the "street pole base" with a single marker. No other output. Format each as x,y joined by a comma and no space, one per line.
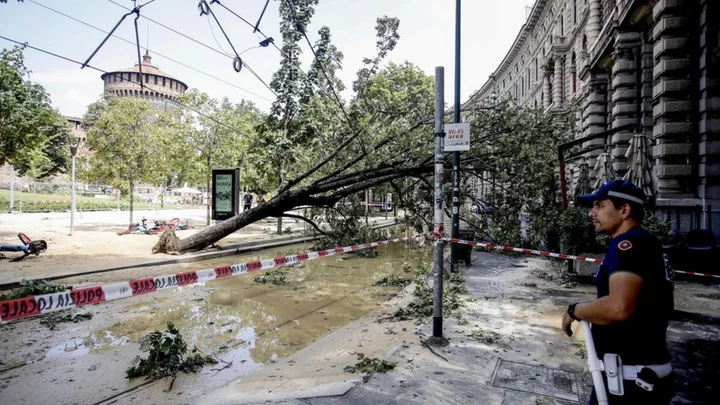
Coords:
437,338
438,341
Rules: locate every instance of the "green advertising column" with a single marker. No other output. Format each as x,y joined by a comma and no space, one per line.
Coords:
225,193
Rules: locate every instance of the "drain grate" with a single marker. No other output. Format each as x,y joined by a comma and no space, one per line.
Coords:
540,380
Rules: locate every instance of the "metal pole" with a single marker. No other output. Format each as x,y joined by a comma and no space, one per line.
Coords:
456,155
73,151
12,187
437,337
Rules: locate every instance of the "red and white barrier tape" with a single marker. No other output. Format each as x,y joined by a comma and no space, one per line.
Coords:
46,303
555,255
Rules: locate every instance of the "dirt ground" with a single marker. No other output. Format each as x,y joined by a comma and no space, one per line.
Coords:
95,243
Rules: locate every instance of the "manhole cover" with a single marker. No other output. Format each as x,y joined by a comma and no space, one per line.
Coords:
540,380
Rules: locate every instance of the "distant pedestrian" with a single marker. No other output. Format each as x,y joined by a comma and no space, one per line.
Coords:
247,201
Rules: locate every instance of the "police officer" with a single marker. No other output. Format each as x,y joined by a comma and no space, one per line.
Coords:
634,297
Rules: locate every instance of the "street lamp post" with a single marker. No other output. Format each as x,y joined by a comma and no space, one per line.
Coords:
455,228
73,151
494,95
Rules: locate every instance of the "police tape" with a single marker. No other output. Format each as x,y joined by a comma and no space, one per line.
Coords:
555,255
58,301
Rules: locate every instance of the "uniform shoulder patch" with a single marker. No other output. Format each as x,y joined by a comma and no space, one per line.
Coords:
625,245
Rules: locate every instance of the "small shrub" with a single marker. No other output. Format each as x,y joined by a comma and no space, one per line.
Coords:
52,319
369,366
392,281
166,356
34,287
277,277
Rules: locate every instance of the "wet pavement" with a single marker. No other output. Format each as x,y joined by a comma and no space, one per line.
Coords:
289,343
528,360
240,321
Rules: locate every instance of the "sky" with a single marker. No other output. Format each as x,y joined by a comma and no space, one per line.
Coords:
427,39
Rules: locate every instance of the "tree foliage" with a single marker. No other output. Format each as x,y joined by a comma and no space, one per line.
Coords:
129,145
516,147
166,356
34,138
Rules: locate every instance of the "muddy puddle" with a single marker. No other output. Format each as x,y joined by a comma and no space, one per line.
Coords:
236,319
275,318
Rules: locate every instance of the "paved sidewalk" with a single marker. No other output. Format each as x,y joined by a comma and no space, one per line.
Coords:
517,354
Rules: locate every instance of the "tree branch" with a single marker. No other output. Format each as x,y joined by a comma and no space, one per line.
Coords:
316,167
408,206
377,173
379,145
314,225
357,187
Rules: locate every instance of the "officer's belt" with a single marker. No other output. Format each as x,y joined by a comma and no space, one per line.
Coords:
631,372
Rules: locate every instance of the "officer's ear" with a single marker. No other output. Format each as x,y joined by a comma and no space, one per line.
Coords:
625,211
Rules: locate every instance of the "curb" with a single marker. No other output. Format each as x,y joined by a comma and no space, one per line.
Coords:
228,250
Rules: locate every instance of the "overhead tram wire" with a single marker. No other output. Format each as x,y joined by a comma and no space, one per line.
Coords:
208,9
196,41
336,99
215,38
200,43
27,45
173,30
135,10
257,29
157,53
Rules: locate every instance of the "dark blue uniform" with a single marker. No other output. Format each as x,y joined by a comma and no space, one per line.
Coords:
639,340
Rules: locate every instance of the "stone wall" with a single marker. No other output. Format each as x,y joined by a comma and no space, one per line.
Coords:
654,64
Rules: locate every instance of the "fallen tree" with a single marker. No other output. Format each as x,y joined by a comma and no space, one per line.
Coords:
383,137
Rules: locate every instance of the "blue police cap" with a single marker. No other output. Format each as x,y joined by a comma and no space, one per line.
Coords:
619,189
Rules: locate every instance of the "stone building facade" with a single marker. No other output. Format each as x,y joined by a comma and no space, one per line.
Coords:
158,87
650,66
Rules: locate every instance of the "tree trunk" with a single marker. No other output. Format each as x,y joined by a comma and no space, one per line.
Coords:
395,205
367,208
315,196
131,204
209,176
207,201
272,208
279,220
